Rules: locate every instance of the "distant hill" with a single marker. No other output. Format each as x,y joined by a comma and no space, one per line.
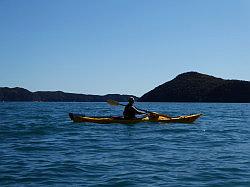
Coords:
21,94
186,87
197,87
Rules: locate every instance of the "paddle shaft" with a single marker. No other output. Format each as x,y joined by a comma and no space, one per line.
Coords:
116,103
137,108
148,111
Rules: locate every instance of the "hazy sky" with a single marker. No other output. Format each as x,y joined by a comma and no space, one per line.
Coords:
120,46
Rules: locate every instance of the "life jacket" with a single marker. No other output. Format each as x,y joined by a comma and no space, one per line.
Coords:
129,111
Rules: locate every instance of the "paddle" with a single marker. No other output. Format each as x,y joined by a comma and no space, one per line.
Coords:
116,103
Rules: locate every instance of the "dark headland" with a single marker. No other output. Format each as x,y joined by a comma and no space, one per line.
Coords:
21,94
186,87
197,87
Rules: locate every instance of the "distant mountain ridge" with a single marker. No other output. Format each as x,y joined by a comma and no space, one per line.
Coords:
197,87
21,94
186,87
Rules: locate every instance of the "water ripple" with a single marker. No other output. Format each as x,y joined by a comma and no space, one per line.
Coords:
40,146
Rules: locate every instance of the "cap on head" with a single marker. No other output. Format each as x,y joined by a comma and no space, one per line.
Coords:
131,100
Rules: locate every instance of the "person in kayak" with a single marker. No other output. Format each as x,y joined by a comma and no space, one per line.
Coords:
130,111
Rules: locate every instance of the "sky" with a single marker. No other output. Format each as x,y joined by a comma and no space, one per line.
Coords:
120,46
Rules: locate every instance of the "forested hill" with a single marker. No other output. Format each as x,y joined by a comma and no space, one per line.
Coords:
21,94
186,87
197,87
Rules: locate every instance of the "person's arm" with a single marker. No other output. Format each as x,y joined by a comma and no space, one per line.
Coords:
138,111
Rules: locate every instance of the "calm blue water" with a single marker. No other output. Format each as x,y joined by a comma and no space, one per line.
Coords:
40,146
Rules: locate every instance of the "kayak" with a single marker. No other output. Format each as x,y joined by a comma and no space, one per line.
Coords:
106,120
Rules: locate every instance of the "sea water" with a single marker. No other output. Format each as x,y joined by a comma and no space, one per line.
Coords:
40,146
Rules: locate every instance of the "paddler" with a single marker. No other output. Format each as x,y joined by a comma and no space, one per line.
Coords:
130,111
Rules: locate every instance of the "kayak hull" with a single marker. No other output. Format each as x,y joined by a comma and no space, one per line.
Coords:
107,120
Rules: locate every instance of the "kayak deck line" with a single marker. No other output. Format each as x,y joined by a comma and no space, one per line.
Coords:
78,118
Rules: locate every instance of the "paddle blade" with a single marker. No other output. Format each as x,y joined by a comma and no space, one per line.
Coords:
112,102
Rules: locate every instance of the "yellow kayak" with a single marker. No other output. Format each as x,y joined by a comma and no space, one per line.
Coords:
106,120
